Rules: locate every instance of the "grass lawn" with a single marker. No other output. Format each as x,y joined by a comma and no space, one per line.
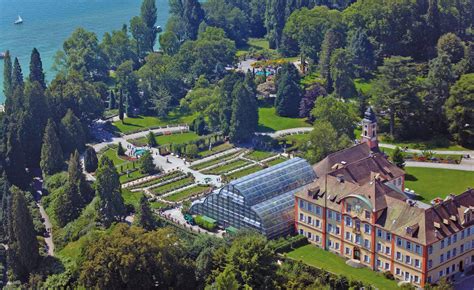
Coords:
319,258
158,180
162,189
227,167
132,198
183,194
179,138
255,43
269,121
117,160
276,161
297,138
430,183
157,205
363,85
132,176
216,149
245,172
389,151
215,161
258,155
143,122
437,144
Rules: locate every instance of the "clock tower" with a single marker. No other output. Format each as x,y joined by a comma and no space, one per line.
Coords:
369,130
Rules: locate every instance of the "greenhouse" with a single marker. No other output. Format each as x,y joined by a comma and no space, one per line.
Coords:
263,201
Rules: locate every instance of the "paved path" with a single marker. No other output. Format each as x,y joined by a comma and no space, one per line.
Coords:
38,186
465,167
446,152
281,133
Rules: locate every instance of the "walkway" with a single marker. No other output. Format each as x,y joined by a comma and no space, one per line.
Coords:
444,152
465,167
38,186
292,131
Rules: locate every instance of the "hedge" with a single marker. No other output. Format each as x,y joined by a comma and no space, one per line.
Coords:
287,244
204,223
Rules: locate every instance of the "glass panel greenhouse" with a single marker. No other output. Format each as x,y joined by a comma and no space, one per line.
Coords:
263,201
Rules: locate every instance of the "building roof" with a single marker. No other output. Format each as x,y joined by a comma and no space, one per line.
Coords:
273,181
369,115
346,156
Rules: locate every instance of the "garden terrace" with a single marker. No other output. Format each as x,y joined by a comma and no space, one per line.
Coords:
275,161
167,139
175,185
258,155
157,180
142,123
232,165
243,172
269,121
187,193
215,150
225,157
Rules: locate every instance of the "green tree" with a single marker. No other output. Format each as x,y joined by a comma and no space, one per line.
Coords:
139,32
169,42
225,100
341,115
15,158
7,78
199,125
189,14
108,189
23,251
324,140
17,76
242,125
71,133
127,81
460,110
120,150
148,14
151,140
90,160
289,93
146,163
51,152
121,108
342,73
112,101
362,51
226,280
144,217
398,158
118,47
275,21
67,204
333,39
192,150
74,169
36,69
451,45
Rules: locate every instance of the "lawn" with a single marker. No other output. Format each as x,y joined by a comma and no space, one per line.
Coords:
430,183
258,155
435,144
112,154
365,86
216,149
215,161
319,258
296,138
184,194
276,161
158,180
162,189
407,155
132,198
157,205
255,43
227,167
140,123
269,121
134,175
245,172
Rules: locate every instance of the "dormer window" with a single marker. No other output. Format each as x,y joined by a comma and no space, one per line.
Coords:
467,215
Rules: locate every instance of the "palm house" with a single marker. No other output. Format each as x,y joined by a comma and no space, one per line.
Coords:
263,201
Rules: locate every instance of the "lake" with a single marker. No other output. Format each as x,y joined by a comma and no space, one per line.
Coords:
47,23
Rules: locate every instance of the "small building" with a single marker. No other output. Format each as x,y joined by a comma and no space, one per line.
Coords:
262,201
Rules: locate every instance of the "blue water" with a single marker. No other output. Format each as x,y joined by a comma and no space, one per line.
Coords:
47,23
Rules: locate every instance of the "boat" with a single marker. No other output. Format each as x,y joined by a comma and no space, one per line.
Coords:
19,20
159,29
2,55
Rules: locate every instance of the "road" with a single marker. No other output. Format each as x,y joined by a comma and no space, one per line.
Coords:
38,186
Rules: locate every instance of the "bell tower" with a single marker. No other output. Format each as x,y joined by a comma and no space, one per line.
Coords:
369,129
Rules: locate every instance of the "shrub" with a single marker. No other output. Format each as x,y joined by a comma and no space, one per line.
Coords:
388,275
203,223
286,244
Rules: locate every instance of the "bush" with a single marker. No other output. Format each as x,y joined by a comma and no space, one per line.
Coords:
388,275
287,244
200,221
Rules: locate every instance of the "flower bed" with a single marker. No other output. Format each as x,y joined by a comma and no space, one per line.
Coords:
157,180
165,188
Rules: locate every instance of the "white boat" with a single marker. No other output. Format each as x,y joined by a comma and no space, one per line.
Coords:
19,20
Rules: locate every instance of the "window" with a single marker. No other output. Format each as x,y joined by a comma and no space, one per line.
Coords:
317,239
338,217
408,245
301,203
387,266
337,231
397,271
447,271
348,221
418,249
417,263
348,251
462,234
399,242
318,210
301,232
441,273
367,243
348,207
379,264
310,207
367,214
379,247
399,256
330,228
455,238
317,223
367,228
407,259
461,249
310,235
366,259
448,255
454,252
429,279
449,241
309,220
417,279
358,239
442,244
337,246
441,258
348,236
430,264
379,233
388,237
387,250
453,268
430,250
301,217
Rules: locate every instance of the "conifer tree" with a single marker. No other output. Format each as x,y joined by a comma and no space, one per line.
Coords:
242,125
74,169
71,133
397,157
144,216
342,73
17,75
151,140
129,106
36,69
288,91
333,39
15,159
112,102
362,52
5,208
148,15
120,108
147,166
51,151
108,189
120,150
7,78
90,160
23,253
67,205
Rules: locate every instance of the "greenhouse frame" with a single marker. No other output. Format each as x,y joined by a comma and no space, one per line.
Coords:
263,201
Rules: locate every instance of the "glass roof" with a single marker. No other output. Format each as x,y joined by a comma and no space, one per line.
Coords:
273,181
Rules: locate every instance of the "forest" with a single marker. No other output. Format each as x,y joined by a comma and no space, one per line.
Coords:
412,61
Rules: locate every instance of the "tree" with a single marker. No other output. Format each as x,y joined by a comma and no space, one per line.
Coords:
398,158
451,45
460,110
324,140
189,14
341,115
120,149
127,82
288,91
51,152
139,32
17,76
169,42
144,216
199,125
108,189
148,15
23,252
242,125
119,47
192,150
130,256
226,280
7,78
309,98
71,133
225,100
342,73
147,166
362,52
151,140
90,160
120,108
395,91
15,158
67,204
74,169
112,101
333,39
36,69
275,22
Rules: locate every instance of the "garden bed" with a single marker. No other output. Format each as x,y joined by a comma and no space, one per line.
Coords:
157,180
165,188
242,173
275,161
215,150
258,155
209,163
187,193
227,167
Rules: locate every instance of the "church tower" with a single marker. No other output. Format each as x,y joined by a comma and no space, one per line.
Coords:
369,129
